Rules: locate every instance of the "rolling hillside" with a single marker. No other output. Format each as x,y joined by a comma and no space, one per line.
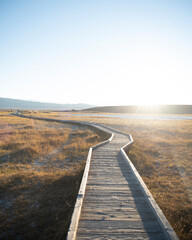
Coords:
8,103
159,109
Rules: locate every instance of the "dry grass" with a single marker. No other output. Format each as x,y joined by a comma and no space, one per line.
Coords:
162,155
41,165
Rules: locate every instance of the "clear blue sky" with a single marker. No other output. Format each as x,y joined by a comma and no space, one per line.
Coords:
103,52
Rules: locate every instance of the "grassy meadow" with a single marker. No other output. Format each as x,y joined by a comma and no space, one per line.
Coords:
163,157
41,165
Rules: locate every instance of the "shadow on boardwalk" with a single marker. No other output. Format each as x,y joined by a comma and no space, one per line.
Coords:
142,207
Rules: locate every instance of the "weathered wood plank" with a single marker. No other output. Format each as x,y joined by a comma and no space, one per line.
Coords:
120,235
125,226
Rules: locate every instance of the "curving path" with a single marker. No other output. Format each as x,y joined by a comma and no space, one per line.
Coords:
113,201
117,204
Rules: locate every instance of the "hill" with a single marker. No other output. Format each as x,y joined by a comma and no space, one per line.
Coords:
9,103
160,109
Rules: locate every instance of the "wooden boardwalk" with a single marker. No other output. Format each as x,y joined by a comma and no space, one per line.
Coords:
113,201
114,205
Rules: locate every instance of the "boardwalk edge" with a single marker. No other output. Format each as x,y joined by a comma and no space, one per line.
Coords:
167,229
79,201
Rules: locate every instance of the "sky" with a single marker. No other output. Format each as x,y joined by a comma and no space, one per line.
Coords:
101,52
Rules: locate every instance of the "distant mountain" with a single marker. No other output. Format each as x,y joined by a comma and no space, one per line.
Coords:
9,103
159,109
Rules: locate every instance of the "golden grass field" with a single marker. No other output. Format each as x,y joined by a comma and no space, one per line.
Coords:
163,157
41,165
